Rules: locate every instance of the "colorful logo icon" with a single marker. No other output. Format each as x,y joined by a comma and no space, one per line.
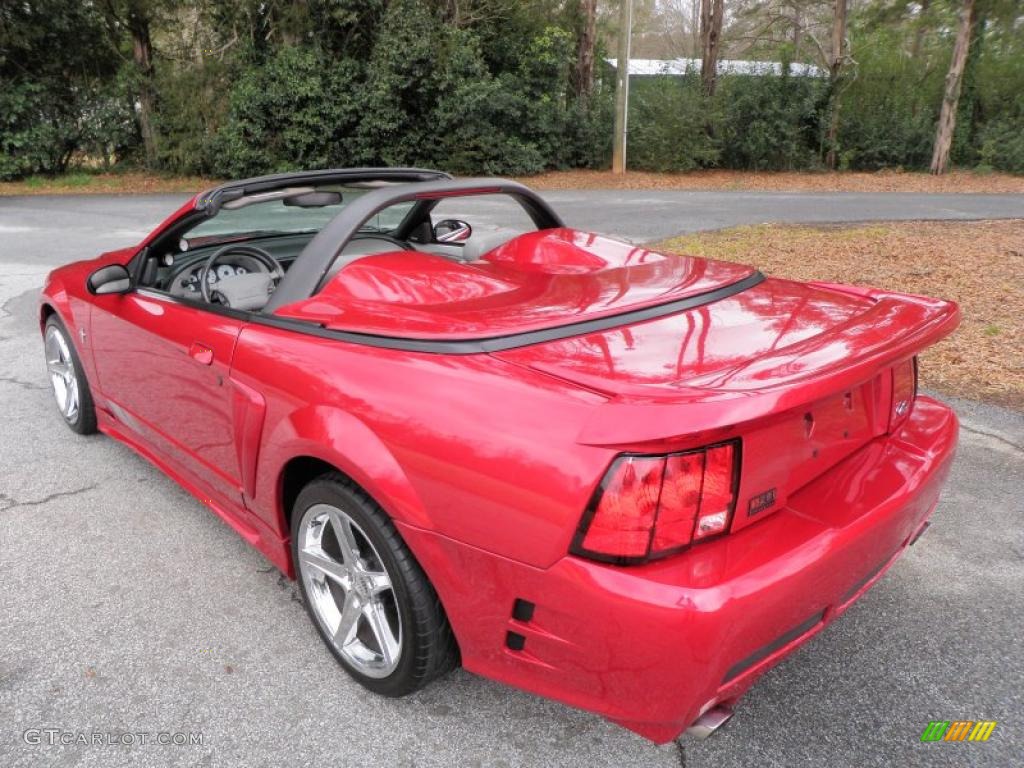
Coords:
958,730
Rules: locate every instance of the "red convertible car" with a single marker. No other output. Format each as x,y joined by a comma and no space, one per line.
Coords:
626,480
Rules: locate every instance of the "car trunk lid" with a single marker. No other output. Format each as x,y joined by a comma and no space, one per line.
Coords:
802,373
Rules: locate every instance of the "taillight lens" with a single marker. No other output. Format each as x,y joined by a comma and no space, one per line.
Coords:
629,502
680,501
651,506
904,391
719,494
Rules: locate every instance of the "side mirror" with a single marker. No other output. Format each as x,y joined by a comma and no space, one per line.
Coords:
452,231
113,278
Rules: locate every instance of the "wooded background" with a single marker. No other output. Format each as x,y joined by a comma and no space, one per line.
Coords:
241,87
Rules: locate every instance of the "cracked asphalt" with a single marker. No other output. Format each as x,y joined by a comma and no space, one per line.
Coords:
127,607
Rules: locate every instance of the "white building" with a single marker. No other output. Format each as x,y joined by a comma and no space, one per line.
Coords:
676,67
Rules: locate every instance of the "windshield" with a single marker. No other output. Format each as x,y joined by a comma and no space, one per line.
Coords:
289,211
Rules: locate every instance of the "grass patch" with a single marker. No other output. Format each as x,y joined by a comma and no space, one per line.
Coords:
976,264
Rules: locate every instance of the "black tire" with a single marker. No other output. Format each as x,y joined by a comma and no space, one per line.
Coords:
84,421
428,648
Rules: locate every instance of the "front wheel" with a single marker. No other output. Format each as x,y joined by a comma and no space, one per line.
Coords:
70,387
369,598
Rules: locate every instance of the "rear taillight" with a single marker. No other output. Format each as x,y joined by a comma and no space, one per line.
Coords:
904,391
651,506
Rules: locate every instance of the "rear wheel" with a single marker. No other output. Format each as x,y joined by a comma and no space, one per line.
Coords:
70,387
370,600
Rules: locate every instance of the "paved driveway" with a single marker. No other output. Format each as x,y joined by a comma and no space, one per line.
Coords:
126,606
54,230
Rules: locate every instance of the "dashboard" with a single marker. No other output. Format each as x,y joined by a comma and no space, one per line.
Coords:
187,282
178,273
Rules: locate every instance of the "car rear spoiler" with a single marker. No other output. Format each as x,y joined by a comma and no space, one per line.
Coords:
896,327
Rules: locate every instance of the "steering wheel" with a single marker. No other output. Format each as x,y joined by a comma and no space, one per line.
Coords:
273,267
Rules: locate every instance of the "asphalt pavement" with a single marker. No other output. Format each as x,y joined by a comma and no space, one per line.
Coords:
127,607
55,230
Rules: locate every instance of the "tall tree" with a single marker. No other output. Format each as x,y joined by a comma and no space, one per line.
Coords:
951,94
586,41
622,87
835,71
135,17
712,14
142,54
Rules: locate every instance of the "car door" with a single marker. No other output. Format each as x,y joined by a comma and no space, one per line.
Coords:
163,366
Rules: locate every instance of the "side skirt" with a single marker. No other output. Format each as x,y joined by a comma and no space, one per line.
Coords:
272,547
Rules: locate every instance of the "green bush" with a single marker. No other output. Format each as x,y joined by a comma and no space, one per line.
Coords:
473,87
34,137
999,108
588,135
1002,143
190,115
669,123
880,129
59,94
298,110
432,101
890,108
769,122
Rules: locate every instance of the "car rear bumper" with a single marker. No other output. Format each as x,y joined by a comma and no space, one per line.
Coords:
655,646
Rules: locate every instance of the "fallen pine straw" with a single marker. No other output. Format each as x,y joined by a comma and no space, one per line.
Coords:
126,182
783,181
977,264
139,182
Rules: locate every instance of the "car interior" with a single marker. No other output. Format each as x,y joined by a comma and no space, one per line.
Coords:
237,257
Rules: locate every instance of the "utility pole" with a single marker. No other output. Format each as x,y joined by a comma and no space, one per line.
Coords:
622,87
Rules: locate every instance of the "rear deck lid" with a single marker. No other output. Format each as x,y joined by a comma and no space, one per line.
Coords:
763,341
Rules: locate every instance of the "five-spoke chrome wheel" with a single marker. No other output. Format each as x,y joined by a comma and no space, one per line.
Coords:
61,368
349,590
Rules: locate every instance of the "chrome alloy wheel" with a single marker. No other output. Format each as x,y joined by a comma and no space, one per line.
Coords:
350,590
62,373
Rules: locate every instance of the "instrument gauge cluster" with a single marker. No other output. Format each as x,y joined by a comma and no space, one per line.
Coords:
190,281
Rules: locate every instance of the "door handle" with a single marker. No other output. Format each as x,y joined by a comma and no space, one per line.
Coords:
201,353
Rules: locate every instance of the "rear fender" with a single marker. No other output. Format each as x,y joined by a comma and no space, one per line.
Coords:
338,438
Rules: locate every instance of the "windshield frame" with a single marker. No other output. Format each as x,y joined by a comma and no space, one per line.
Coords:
253,224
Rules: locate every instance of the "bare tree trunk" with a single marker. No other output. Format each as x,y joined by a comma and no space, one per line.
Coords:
622,87
835,70
142,55
798,32
951,96
694,28
583,75
712,13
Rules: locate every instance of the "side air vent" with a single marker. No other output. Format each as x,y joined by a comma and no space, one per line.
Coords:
522,610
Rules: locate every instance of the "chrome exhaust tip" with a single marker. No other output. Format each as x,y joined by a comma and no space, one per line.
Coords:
709,722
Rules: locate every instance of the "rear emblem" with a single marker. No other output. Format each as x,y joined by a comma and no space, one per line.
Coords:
761,502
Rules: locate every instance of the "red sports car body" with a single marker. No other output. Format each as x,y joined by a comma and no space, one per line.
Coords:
634,481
